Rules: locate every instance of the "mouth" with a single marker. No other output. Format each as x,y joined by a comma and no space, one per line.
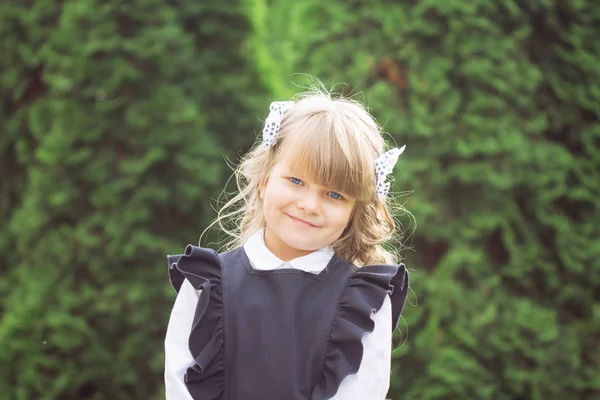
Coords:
301,221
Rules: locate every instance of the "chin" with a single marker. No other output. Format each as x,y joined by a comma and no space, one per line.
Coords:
303,245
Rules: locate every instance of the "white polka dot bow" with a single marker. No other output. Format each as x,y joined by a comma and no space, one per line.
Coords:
273,121
383,167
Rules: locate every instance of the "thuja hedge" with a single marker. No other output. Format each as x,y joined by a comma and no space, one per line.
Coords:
114,116
112,119
498,103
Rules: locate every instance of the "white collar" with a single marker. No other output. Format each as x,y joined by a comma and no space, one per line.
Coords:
262,258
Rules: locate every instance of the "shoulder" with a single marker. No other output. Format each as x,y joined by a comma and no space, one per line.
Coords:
368,287
197,265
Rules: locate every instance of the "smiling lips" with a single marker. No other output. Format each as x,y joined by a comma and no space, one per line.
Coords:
301,222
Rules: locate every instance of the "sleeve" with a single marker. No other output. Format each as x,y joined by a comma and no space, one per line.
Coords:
372,381
177,354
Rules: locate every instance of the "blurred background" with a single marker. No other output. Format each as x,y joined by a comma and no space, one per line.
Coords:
117,118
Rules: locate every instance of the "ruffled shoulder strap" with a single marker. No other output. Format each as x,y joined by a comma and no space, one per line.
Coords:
175,276
379,280
202,268
363,295
399,293
196,264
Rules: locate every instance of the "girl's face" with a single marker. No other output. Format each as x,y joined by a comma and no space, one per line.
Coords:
301,216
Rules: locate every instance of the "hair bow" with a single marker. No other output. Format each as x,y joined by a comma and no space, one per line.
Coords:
383,167
273,121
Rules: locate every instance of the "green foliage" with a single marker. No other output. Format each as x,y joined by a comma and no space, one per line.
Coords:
116,116
108,164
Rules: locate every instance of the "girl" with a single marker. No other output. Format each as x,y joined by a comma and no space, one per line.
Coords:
304,303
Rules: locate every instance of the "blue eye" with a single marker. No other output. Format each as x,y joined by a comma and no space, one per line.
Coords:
295,181
335,195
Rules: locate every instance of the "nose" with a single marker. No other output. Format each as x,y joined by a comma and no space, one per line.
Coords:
310,202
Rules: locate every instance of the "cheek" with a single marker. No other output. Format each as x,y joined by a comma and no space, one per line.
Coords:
277,195
340,216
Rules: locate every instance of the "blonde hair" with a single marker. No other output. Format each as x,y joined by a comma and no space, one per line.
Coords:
336,142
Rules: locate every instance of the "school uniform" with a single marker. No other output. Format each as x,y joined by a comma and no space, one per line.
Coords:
246,325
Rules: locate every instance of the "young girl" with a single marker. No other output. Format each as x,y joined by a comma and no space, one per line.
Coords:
304,304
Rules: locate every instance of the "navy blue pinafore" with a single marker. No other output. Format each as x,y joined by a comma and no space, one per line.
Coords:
279,334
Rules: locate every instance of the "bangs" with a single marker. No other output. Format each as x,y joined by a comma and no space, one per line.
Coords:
322,149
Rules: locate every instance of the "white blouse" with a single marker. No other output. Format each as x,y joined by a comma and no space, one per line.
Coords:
370,382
